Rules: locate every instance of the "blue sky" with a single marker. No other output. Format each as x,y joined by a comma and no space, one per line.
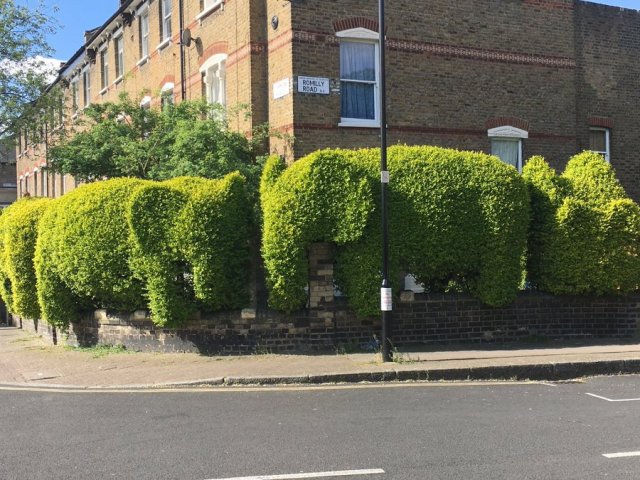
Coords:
76,16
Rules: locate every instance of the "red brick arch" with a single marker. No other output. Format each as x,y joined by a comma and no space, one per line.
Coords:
495,122
355,22
213,49
604,122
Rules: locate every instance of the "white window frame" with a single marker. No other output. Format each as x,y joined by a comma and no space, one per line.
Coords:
508,133
217,63
145,103
166,95
207,7
104,69
607,131
86,86
365,36
73,86
143,16
118,47
165,20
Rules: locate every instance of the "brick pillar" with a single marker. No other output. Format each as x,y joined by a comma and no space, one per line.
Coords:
320,275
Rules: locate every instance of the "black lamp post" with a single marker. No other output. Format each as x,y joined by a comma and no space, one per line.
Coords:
386,303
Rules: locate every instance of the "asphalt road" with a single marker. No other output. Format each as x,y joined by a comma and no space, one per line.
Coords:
411,432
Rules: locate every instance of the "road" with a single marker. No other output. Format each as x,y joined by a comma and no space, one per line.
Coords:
409,432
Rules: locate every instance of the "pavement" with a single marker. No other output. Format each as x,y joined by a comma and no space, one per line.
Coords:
26,361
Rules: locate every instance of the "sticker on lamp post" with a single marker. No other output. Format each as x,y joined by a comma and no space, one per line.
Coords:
386,301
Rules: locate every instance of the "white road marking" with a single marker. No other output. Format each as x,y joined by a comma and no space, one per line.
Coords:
614,400
548,384
621,454
342,473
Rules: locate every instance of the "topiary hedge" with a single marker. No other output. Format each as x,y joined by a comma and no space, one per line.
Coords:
83,252
585,231
126,243
190,238
453,216
324,197
19,233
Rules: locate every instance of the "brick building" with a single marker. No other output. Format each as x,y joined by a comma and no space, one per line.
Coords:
513,77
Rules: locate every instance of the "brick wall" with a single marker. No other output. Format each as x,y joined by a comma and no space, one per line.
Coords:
608,46
455,65
418,319
450,68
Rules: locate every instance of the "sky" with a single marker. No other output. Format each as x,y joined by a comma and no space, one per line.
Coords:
76,16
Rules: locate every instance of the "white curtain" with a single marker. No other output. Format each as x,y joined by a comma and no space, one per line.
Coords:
358,62
507,150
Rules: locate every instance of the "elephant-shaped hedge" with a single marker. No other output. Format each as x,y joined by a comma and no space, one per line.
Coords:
585,235
126,243
453,217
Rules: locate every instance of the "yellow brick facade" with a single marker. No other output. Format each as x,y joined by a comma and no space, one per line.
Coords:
234,30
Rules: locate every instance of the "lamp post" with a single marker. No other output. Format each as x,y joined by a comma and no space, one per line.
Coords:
386,303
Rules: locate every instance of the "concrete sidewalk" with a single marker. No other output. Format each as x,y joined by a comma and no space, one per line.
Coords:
25,361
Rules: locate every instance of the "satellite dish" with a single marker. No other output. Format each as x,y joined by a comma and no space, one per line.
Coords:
185,39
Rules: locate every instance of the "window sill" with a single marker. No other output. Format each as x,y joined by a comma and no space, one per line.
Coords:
165,43
117,80
209,10
74,116
142,61
356,123
104,90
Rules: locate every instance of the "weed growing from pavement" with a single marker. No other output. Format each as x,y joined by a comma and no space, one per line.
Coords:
99,351
262,350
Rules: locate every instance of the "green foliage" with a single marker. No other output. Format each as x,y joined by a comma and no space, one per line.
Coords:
123,243
585,232
25,71
19,232
120,139
83,252
190,239
454,217
323,197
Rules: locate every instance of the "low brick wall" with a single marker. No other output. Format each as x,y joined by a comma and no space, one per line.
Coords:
417,319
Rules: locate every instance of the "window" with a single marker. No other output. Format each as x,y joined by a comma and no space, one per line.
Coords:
359,74
74,95
86,85
104,69
209,4
145,103
119,50
165,20
214,79
506,144
600,142
166,96
144,33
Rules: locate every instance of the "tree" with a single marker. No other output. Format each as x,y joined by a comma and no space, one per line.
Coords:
120,139
25,70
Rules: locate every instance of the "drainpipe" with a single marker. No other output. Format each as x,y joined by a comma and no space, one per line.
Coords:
183,80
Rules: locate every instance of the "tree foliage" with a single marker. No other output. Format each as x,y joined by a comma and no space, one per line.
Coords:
120,139
25,72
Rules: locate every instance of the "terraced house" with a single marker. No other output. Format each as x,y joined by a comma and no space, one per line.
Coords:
514,77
